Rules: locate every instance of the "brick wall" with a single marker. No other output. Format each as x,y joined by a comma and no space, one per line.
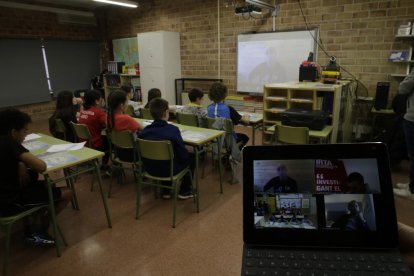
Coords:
18,23
360,33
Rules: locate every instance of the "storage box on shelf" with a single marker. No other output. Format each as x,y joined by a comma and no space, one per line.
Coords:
307,95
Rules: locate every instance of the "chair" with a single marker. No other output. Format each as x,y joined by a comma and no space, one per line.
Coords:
122,140
161,150
291,135
7,223
60,128
228,145
130,111
145,114
82,133
188,119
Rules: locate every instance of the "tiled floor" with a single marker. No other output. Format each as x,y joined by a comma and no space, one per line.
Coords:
207,243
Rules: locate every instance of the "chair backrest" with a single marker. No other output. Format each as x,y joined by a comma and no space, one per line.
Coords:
145,114
82,133
121,140
228,127
155,150
188,119
291,135
130,111
60,127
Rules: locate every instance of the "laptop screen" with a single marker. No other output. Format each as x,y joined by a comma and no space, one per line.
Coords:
330,195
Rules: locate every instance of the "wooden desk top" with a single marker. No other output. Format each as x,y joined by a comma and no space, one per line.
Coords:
254,118
195,136
63,159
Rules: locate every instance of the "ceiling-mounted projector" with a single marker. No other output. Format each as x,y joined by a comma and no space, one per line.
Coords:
247,10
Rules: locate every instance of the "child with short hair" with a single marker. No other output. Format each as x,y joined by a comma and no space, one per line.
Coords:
159,130
196,96
217,93
129,90
19,186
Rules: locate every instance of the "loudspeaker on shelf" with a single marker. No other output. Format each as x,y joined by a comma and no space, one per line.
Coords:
381,95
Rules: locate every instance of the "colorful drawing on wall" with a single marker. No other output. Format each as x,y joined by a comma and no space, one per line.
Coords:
126,50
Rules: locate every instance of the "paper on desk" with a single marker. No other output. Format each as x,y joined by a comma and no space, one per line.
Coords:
194,136
31,136
34,145
57,158
66,147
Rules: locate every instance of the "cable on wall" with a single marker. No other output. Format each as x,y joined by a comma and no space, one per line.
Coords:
354,78
218,40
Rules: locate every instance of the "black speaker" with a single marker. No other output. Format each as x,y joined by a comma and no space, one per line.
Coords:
381,95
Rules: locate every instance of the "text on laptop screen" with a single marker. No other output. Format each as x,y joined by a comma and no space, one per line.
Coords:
334,194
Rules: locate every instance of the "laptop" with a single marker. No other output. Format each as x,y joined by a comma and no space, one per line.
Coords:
323,209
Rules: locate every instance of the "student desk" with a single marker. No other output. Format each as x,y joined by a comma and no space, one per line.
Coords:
255,120
197,137
62,161
322,135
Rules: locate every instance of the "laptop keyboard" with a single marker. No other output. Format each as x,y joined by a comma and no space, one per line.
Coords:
321,263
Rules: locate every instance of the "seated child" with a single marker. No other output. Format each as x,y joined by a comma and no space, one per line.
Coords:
66,111
161,130
152,94
194,107
95,119
19,186
117,120
218,92
128,89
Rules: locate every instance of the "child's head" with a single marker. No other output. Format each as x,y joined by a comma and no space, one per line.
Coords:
195,95
117,101
64,100
159,109
128,90
91,98
218,92
154,93
15,123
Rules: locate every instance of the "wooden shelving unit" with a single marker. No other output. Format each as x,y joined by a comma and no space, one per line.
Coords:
115,81
278,97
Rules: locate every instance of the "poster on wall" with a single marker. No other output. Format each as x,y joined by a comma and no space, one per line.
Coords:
126,50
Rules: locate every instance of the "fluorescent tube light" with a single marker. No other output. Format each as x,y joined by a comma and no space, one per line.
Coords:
44,9
123,3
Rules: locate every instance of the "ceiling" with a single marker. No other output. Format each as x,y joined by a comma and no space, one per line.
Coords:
85,5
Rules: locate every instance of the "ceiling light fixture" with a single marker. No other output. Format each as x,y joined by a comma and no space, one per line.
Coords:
124,3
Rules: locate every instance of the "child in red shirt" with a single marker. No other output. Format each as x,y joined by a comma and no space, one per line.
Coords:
117,120
95,119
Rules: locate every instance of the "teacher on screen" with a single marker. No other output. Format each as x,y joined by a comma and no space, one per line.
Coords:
268,71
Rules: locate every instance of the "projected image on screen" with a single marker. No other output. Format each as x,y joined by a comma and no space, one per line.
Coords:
271,58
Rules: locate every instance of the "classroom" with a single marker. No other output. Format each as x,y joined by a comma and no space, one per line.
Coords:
260,51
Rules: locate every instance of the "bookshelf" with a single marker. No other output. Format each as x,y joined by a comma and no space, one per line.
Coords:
115,81
331,98
409,62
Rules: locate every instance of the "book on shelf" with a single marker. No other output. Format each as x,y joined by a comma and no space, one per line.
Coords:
396,56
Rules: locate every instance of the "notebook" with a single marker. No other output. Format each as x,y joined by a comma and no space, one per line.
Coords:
323,209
